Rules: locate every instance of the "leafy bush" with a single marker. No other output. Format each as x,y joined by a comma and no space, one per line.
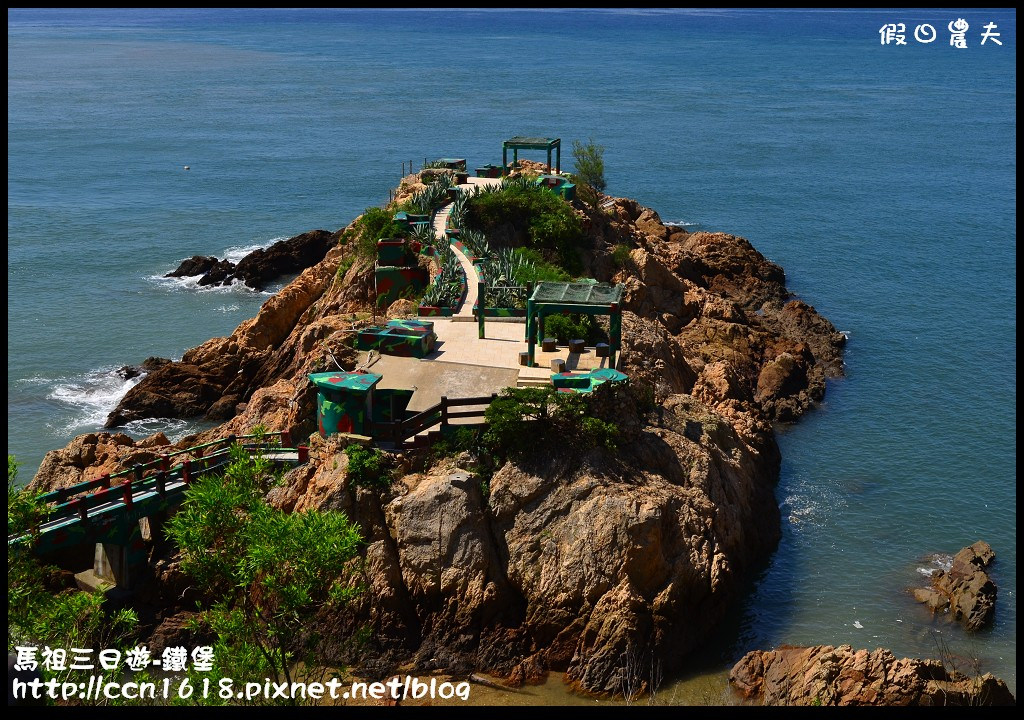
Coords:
620,256
460,440
571,327
536,268
523,421
539,218
589,159
367,467
270,571
38,614
373,225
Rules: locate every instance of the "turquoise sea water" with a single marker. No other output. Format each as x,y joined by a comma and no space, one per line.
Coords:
882,178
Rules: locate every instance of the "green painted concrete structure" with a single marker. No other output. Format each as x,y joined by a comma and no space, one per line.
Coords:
393,283
550,298
586,382
343,401
558,185
515,144
404,338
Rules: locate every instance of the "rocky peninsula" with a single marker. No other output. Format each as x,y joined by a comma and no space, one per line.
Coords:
582,563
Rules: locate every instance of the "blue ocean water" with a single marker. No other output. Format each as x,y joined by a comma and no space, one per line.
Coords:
881,177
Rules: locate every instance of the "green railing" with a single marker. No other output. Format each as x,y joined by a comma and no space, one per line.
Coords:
157,480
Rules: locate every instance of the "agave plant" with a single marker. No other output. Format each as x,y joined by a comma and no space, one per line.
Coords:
476,242
458,211
502,271
516,183
446,290
425,235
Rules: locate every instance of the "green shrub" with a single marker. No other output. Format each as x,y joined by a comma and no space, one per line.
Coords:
539,269
589,159
571,327
367,467
459,440
528,421
373,225
345,265
620,256
539,218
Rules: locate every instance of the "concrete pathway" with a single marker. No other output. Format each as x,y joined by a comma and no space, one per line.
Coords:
472,279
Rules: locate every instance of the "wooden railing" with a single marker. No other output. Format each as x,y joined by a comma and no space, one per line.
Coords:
120,488
400,431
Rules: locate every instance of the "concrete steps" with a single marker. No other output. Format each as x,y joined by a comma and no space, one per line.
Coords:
533,382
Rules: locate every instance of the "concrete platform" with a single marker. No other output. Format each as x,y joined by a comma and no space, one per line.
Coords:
431,379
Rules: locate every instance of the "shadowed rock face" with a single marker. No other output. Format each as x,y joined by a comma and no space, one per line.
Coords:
826,675
965,590
591,564
583,563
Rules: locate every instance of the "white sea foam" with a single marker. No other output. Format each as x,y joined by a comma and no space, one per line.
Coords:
236,252
174,428
191,284
92,396
680,223
936,562
229,308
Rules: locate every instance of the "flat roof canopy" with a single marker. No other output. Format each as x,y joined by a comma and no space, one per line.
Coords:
564,293
532,143
521,142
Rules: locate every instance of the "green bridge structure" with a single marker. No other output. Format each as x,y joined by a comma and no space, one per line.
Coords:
111,511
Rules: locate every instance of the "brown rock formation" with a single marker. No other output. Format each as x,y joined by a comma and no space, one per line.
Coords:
585,564
826,675
582,564
966,591
89,456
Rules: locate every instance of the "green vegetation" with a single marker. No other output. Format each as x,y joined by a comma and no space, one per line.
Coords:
345,265
620,256
570,327
589,159
538,269
521,421
41,609
269,571
537,218
461,439
367,467
373,225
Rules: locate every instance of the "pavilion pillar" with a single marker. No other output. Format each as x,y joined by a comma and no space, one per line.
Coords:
515,157
481,294
531,340
549,159
504,159
558,158
615,330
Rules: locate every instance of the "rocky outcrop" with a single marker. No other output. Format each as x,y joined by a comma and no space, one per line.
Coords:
826,675
576,563
287,338
148,365
261,266
722,302
588,562
92,455
965,591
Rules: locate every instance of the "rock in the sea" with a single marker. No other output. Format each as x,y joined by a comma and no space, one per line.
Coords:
261,266
966,589
826,675
148,365
195,265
